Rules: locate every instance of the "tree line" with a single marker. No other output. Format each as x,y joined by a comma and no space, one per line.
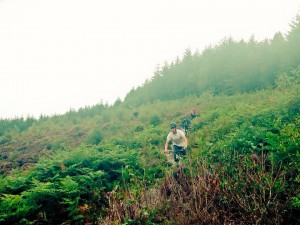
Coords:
228,68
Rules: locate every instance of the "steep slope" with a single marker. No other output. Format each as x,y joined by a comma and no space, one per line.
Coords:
94,166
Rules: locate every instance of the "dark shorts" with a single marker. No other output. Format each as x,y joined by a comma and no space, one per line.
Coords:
178,150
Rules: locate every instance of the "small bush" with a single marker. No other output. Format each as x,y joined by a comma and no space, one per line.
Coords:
139,128
155,120
95,137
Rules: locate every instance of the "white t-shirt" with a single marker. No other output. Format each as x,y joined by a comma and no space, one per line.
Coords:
177,139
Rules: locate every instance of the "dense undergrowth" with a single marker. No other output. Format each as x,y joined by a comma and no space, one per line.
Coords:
105,164
242,166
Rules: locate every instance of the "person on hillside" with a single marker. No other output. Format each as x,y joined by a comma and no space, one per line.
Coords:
193,114
185,124
179,141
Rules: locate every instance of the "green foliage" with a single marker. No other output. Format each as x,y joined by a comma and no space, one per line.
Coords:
105,163
284,81
60,185
5,139
249,141
231,67
19,124
155,120
135,114
139,128
95,137
14,207
296,201
57,144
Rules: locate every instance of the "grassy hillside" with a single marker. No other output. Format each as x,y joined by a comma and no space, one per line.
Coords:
105,165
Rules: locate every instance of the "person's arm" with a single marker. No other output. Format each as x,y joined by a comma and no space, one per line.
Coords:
166,145
185,141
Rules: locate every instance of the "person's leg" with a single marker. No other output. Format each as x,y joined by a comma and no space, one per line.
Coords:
182,152
176,152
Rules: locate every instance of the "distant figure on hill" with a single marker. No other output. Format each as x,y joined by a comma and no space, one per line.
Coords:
193,114
185,124
179,142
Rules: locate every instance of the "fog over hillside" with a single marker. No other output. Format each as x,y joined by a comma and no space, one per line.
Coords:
60,54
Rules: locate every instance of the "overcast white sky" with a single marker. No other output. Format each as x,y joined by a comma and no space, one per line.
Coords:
62,54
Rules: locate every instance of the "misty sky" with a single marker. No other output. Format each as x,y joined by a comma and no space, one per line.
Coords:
61,54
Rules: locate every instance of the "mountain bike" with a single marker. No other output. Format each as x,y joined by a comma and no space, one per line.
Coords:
178,155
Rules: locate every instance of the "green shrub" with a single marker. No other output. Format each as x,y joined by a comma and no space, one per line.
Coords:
155,120
5,139
95,137
139,128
